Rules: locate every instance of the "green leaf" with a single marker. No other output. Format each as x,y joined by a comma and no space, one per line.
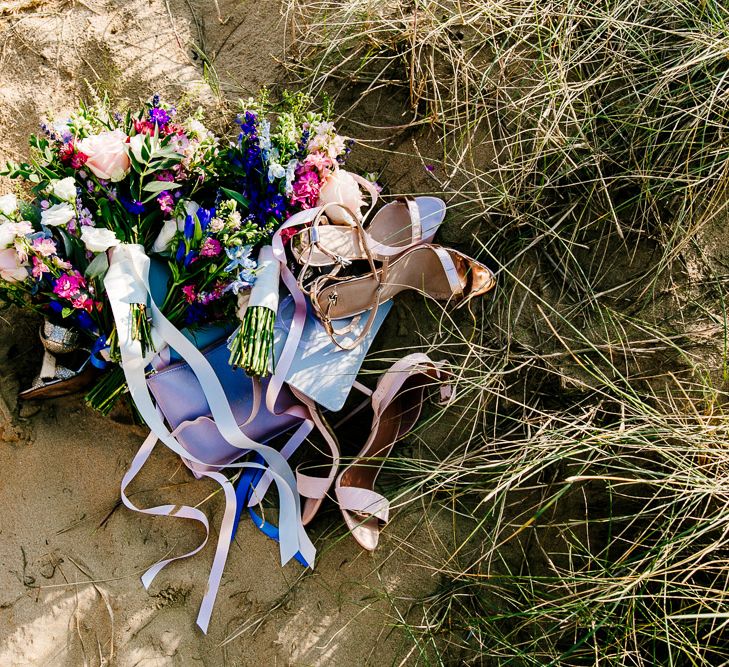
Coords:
67,312
98,266
160,186
236,196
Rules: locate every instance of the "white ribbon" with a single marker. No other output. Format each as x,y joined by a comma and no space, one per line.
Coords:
127,282
265,290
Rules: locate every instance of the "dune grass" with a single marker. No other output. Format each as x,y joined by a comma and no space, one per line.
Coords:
586,146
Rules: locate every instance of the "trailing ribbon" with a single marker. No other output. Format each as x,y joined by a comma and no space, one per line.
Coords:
127,282
96,359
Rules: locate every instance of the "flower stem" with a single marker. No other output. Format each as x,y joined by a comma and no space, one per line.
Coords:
251,346
107,391
141,329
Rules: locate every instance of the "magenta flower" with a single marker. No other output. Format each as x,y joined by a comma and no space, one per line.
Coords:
306,187
189,292
68,285
210,248
83,302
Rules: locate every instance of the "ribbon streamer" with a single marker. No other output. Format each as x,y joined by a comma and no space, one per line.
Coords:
127,282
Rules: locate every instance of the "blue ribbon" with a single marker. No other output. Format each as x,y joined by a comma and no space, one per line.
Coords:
96,359
243,492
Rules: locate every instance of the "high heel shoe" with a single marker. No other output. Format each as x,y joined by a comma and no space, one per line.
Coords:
396,404
395,228
55,379
441,273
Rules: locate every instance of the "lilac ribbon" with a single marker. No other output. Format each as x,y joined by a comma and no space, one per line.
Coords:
127,282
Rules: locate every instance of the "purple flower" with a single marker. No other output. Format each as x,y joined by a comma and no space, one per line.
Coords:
159,116
248,125
85,218
190,258
205,215
189,227
134,207
166,202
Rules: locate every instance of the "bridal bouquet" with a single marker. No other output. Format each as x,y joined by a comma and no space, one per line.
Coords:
286,159
200,210
136,231
97,180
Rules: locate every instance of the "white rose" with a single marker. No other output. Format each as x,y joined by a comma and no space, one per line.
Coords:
98,239
10,231
58,215
8,205
65,189
135,145
164,238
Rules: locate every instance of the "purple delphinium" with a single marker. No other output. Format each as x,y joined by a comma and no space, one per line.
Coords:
85,218
159,116
248,126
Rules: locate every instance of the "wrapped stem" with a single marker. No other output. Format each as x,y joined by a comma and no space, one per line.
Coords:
251,346
141,327
106,392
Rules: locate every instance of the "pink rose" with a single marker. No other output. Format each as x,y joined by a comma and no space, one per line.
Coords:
11,268
341,188
107,155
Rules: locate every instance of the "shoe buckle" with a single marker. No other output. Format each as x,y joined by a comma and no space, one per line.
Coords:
342,261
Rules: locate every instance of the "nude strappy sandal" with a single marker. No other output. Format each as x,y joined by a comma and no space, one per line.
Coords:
396,403
441,273
396,227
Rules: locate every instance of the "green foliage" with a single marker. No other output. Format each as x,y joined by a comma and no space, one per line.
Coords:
584,145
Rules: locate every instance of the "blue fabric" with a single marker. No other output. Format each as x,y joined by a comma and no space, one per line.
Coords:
97,360
243,492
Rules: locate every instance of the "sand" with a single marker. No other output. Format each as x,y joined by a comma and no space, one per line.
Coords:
70,555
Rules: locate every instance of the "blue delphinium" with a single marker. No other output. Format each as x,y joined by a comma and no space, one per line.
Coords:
132,206
265,201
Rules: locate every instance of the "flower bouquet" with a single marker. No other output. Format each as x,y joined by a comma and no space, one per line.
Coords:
98,180
149,178
286,159
138,228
